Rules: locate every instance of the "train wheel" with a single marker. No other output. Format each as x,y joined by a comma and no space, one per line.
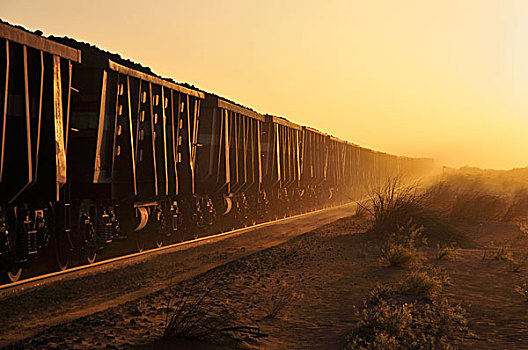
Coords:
63,259
140,244
91,255
62,253
14,273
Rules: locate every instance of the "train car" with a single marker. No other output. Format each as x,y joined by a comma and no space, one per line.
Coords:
281,159
229,173
35,94
343,164
353,185
339,169
133,152
314,172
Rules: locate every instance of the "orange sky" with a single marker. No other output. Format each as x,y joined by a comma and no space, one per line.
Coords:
444,79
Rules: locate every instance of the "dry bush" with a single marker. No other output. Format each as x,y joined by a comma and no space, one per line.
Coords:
199,316
401,250
475,206
392,204
447,252
473,198
398,255
465,199
439,197
419,283
424,282
390,320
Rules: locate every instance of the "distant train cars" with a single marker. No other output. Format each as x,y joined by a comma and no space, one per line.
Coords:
100,148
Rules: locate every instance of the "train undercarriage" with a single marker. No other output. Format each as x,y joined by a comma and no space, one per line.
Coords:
63,235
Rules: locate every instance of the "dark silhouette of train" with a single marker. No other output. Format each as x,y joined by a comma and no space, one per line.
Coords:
95,147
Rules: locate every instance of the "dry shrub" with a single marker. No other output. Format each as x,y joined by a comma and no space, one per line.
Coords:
439,197
475,206
424,282
398,255
471,199
464,200
447,252
390,320
401,250
392,204
199,316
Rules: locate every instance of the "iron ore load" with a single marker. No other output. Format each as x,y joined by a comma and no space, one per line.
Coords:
95,148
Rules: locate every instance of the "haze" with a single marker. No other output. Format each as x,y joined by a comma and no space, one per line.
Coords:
447,79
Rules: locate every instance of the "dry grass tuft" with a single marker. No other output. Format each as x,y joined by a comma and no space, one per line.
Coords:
477,205
424,282
398,255
199,316
472,199
390,203
447,252
393,204
401,250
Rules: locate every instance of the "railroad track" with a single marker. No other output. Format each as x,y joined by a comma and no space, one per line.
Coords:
124,260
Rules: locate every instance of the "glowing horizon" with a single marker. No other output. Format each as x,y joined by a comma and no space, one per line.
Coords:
447,81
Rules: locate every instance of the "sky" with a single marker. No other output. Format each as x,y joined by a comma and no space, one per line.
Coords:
443,79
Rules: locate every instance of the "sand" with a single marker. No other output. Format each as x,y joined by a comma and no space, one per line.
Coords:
323,275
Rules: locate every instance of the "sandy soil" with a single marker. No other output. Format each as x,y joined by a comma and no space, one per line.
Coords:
323,274
498,315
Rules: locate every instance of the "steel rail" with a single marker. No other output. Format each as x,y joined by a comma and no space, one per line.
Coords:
165,249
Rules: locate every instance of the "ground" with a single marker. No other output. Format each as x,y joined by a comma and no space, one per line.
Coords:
321,276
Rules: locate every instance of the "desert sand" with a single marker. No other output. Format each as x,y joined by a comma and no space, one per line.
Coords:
321,277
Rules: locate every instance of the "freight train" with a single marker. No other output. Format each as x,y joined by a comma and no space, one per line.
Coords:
95,148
